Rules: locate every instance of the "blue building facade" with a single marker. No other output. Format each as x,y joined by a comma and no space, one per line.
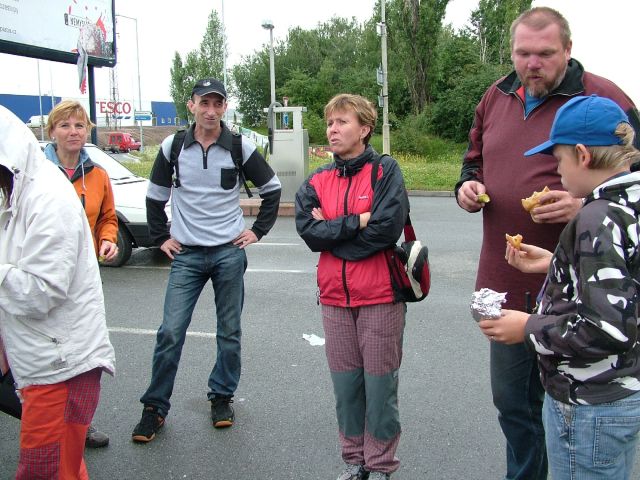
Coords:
26,106
164,113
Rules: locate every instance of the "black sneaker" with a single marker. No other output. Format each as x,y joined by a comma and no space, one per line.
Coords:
149,425
95,438
221,412
354,472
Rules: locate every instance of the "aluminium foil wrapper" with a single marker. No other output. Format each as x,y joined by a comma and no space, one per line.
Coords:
487,303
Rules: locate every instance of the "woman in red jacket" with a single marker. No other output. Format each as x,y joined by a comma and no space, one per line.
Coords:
351,217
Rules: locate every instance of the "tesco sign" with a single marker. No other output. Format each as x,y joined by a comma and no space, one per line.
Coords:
114,108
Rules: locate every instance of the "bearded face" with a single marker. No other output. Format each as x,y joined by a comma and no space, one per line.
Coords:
539,58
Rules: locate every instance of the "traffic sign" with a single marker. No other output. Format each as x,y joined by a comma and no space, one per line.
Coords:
143,115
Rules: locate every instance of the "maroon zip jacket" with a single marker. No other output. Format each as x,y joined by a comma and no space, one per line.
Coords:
352,270
500,135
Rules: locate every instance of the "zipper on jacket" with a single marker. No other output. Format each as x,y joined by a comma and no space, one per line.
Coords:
61,361
344,262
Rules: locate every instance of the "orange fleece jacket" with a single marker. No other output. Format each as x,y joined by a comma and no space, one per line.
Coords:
98,205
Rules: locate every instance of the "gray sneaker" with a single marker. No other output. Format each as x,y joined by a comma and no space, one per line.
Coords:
379,476
95,438
354,472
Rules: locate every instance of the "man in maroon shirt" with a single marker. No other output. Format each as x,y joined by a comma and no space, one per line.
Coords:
514,115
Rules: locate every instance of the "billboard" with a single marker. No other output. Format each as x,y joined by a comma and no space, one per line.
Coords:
58,29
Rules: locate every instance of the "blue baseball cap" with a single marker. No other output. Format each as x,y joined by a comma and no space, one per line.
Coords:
591,121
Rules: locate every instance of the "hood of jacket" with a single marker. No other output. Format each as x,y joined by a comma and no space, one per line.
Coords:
84,166
623,189
51,152
19,152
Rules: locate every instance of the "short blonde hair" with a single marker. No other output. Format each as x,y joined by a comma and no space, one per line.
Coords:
363,108
615,156
64,110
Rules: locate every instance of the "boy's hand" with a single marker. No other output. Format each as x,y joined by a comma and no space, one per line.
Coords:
529,259
508,329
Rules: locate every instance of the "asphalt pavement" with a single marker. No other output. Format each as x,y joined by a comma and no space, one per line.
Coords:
285,419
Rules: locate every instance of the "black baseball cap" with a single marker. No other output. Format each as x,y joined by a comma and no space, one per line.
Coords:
207,86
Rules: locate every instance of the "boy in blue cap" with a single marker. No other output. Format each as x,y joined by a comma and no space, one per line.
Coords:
585,329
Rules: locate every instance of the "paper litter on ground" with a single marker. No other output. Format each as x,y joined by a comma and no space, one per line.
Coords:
313,339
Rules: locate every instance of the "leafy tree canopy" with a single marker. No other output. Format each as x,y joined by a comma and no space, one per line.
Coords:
207,61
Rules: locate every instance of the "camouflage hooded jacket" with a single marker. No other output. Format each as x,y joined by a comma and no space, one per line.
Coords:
586,329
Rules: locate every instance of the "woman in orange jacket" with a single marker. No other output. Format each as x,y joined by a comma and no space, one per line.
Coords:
68,127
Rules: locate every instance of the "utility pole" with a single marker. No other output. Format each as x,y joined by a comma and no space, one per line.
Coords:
40,100
386,144
224,58
139,88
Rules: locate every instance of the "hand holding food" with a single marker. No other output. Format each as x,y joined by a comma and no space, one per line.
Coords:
533,201
483,198
528,258
514,240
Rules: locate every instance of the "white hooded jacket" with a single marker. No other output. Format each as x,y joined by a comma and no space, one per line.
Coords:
52,317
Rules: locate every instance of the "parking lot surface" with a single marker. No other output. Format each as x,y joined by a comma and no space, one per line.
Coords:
285,420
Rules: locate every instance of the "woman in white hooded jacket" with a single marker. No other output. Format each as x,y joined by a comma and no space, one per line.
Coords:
52,318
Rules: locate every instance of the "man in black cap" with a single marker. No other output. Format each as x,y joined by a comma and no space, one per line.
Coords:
206,241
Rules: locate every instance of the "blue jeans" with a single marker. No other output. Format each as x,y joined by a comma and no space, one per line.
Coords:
191,269
518,396
592,442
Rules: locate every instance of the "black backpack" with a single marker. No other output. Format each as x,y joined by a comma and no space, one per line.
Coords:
236,156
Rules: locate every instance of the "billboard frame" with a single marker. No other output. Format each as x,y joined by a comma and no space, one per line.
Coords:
42,53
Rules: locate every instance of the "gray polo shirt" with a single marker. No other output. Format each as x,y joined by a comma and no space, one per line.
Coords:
206,206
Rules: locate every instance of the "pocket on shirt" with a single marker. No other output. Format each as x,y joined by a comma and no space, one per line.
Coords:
228,178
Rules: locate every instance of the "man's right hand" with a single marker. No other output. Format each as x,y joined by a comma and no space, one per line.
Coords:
170,247
468,195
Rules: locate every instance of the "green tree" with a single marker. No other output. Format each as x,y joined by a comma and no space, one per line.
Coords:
251,86
414,28
452,115
177,87
456,57
490,23
311,66
207,61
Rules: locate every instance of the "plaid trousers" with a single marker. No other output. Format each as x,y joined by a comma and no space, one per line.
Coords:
364,352
55,420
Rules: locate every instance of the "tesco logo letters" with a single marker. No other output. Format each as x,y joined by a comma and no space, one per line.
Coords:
118,108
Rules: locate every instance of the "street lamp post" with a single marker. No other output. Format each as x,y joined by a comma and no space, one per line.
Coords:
139,88
268,25
386,142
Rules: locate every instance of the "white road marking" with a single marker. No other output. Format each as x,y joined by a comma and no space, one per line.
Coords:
142,331
249,270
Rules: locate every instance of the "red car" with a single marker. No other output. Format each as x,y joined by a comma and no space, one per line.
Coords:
121,142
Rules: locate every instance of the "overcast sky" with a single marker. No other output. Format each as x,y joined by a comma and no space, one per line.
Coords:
602,37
